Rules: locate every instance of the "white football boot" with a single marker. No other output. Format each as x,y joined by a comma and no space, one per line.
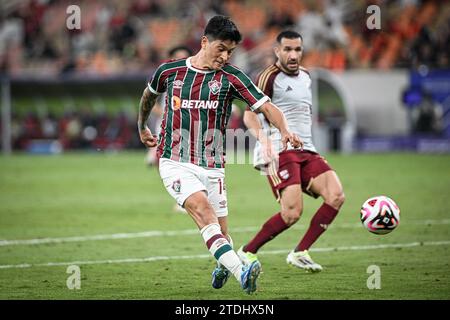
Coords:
302,260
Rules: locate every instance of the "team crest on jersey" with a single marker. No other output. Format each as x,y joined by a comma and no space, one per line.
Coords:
178,84
176,185
284,174
214,86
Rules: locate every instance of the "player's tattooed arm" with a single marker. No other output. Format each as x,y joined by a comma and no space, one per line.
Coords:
148,100
146,104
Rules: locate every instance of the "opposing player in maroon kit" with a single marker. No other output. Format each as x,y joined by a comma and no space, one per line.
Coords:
200,90
298,171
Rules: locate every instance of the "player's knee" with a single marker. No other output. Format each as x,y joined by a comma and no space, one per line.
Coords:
292,213
340,199
336,199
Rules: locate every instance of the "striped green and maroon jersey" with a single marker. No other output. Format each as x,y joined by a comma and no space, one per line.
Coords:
198,107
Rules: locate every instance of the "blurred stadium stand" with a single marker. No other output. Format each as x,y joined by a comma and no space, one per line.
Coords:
82,87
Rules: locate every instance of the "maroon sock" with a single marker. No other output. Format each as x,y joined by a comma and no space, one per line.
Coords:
274,226
319,223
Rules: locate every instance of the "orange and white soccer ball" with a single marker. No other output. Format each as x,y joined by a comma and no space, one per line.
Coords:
380,215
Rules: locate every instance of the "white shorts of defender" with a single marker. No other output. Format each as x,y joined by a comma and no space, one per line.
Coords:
184,179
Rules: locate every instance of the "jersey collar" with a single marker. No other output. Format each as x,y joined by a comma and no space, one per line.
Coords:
190,66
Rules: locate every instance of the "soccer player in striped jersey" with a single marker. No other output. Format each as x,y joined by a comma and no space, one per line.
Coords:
151,159
200,91
295,171
175,53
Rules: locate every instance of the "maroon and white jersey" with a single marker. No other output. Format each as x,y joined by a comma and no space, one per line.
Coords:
292,95
198,107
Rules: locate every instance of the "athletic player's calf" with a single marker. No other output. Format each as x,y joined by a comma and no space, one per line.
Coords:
200,210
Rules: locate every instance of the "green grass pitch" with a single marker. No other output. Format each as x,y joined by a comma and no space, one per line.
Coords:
150,252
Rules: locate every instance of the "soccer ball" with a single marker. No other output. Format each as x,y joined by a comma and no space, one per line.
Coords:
380,215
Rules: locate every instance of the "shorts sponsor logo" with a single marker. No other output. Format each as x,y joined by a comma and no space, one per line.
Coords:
176,185
223,204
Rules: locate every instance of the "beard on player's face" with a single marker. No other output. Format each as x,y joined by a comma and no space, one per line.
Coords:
290,64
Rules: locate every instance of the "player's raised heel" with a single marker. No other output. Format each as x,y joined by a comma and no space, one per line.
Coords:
302,260
246,257
220,276
249,276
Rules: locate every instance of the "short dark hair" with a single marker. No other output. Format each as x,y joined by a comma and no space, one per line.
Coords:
222,28
179,48
288,34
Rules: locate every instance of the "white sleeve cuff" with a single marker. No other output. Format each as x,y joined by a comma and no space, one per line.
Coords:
259,103
152,90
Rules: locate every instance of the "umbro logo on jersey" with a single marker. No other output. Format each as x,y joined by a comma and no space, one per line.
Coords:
288,88
178,84
214,86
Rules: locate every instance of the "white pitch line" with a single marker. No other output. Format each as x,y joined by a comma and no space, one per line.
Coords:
205,256
158,233
144,234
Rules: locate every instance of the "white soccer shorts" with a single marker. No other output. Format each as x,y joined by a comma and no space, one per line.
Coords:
184,179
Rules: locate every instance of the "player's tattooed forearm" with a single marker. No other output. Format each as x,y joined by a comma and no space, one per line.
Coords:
145,107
